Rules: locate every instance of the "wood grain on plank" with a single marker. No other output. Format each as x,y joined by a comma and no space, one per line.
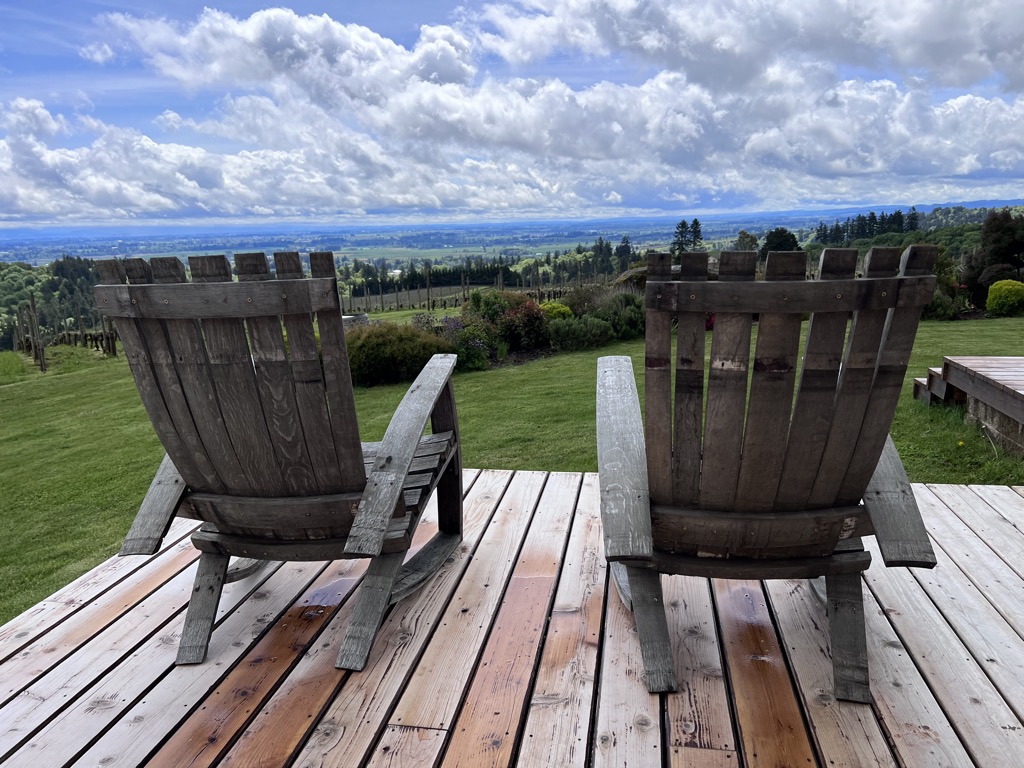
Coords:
995,579
488,726
699,723
37,658
130,710
770,401
205,735
727,391
985,724
351,724
658,384
43,617
812,413
627,729
768,714
435,691
847,733
558,716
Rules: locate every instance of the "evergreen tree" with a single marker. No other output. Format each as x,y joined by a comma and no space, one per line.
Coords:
696,237
1000,255
624,254
779,239
873,224
683,240
896,222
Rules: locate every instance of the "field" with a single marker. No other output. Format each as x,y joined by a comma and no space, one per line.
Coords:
77,451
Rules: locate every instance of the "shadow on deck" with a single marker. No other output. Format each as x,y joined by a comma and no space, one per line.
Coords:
516,655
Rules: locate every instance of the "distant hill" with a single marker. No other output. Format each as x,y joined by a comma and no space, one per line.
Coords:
42,245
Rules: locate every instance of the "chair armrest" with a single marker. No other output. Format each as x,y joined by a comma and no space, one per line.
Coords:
622,463
889,500
394,456
156,511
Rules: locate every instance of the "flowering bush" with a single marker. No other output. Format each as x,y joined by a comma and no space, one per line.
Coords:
523,327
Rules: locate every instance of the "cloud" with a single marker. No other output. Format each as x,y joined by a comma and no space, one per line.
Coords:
97,53
677,105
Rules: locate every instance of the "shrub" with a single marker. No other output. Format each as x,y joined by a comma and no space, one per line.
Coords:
424,321
474,346
572,333
491,305
624,312
585,299
1006,299
555,309
523,327
942,307
387,353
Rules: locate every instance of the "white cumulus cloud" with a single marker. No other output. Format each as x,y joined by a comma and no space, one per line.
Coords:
553,107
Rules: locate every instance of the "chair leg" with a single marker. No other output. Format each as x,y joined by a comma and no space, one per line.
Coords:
449,496
849,636
648,605
373,600
202,608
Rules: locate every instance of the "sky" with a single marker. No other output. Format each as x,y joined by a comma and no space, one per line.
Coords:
426,110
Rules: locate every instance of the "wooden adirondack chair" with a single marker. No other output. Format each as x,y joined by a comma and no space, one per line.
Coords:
259,425
771,466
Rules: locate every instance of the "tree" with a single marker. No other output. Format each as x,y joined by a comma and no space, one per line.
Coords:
779,239
624,253
696,237
745,241
683,240
913,222
999,255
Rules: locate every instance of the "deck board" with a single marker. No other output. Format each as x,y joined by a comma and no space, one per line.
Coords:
518,653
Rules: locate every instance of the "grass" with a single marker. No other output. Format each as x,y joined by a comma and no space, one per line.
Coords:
12,367
77,451
406,315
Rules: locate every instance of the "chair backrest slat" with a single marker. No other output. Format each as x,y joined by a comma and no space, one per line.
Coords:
770,401
197,390
338,382
812,414
310,392
854,390
276,387
658,389
231,367
727,390
152,367
691,330
894,356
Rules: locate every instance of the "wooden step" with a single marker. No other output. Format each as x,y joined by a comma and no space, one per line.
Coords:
922,392
938,385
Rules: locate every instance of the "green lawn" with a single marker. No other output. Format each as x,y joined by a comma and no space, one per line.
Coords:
77,451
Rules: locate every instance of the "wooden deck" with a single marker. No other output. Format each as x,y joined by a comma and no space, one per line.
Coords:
992,389
517,654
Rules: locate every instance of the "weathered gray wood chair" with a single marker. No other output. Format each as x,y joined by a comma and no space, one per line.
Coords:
770,466
259,424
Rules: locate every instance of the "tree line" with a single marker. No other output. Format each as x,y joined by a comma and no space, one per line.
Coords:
977,254
865,227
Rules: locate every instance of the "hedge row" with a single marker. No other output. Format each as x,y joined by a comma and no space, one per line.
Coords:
491,326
